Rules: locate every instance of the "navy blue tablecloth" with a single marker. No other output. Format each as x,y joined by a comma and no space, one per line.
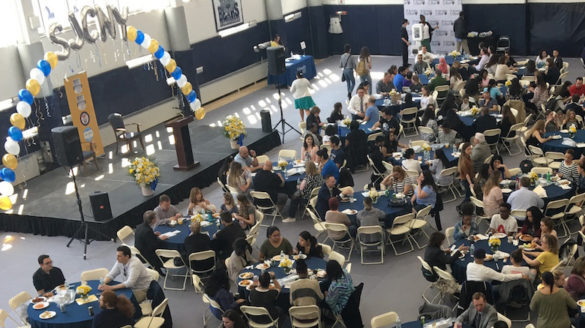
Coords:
291,181
417,324
448,153
305,64
557,144
391,211
344,130
459,267
77,316
553,192
176,242
449,59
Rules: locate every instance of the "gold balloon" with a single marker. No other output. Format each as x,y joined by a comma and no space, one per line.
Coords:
200,113
10,161
131,32
187,88
33,86
5,203
153,47
171,66
52,59
17,120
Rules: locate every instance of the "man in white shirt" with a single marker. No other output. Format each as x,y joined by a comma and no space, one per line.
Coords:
524,198
358,104
502,222
483,60
516,266
476,271
133,273
427,57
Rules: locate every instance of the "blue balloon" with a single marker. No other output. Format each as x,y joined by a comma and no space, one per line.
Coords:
15,133
26,96
159,52
191,96
44,66
176,74
7,175
139,37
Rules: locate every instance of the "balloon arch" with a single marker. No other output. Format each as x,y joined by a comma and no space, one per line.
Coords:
38,76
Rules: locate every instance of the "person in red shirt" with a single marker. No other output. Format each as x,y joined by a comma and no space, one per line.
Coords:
578,87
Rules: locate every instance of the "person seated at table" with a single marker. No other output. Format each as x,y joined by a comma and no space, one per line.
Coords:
246,215
313,130
116,311
370,216
407,80
274,244
308,245
480,151
569,168
435,256
232,319
340,289
239,178
415,85
571,119
358,104
47,277
508,120
271,183
437,165
497,164
515,90
426,98
336,114
551,303
484,79
516,266
530,68
503,222
165,210
228,203
428,120
262,294
217,288
552,73
247,159
531,225
356,145
372,113
333,215
578,88
337,154
540,60
573,104
477,271
466,227
309,149
313,117
480,180
535,135
524,198
197,203
492,63
399,78
541,93
447,135
385,85
328,190
546,227
502,69
387,122
425,193
575,284
489,104
399,181
410,163
438,80
420,66
326,164
223,239
456,82
304,291
132,273
330,131
465,168
197,242
580,183
479,314
147,241
548,258
492,196
240,258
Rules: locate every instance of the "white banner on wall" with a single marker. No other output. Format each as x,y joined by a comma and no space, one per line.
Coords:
437,12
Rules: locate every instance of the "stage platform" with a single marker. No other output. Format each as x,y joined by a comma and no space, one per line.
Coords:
47,205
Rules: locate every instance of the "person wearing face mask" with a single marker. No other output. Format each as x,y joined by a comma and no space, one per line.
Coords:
147,241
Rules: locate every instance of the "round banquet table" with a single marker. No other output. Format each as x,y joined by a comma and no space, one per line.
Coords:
383,204
452,158
283,301
553,192
177,241
417,324
76,316
557,144
459,267
291,180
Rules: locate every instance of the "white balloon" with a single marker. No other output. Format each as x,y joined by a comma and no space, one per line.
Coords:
11,146
165,59
6,188
146,43
23,108
38,75
195,105
182,81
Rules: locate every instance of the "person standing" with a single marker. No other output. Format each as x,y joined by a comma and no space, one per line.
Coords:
347,62
461,34
405,42
300,90
364,67
427,32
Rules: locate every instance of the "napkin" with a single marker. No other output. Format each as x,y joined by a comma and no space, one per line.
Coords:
580,144
90,298
171,233
301,164
539,190
205,223
366,193
482,237
294,171
499,255
565,187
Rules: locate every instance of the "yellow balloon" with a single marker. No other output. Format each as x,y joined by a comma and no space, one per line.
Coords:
187,88
33,86
17,120
10,161
200,113
171,66
5,203
52,59
153,47
131,31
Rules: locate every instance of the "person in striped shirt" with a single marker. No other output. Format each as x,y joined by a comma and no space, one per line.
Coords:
568,169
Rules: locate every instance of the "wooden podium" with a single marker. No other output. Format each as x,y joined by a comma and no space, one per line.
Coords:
183,143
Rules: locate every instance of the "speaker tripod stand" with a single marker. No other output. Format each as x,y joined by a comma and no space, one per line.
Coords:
282,121
81,233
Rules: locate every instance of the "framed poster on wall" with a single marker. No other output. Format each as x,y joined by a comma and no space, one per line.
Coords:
228,13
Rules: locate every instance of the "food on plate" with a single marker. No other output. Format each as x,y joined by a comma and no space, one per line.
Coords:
245,282
246,275
276,258
47,314
300,256
489,257
40,305
581,302
321,273
262,266
38,299
476,237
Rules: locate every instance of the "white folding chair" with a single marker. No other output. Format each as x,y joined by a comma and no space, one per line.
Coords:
95,274
450,172
252,312
426,132
211,304
479,218
449,233
492,138
379,175
503,318
318,225
512,139
261,197
167,257
335,256
373,136
488,159
300,316
197,284
418,224
538,157
364,238
515,171
556,211
202,256
155,320
445,283
125,235
287,155
146,305
16,302
401,227
326,249
384,320
4,315
541,170
412,121
262,159
334,229
555,159
575,206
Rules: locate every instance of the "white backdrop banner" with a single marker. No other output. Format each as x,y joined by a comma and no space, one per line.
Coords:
437,12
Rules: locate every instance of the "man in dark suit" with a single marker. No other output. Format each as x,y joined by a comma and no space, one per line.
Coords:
478,315
485,121
147,241
328,190
557,59
223,239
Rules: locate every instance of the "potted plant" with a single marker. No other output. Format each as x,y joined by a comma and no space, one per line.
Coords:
235,130
145,173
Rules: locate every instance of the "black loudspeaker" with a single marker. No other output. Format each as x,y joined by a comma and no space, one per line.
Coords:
275,60
100,206
266,121
67,145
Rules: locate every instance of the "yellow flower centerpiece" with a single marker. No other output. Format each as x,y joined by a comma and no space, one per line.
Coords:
426,147
533,177
454,53
347,121
428,72
83,290
145,172
197,218
572,130
474,110
286,264
282,164
374,195
508,83
494,243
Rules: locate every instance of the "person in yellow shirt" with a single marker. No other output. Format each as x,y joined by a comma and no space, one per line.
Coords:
547,259
276,41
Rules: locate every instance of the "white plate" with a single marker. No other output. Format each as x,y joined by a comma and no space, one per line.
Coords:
41,305
246,275
500,235
556,137
506,190
245,283
349,211
262,266
47,315
300,256
564,131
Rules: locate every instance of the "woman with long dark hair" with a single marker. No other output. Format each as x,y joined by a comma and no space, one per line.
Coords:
340,289
508,119
531,226
117,311
465,168
240,258
515,89
308,245
540,92
309,149
232,319
425,193
218,288
428,120
336,114
497,164
551,304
